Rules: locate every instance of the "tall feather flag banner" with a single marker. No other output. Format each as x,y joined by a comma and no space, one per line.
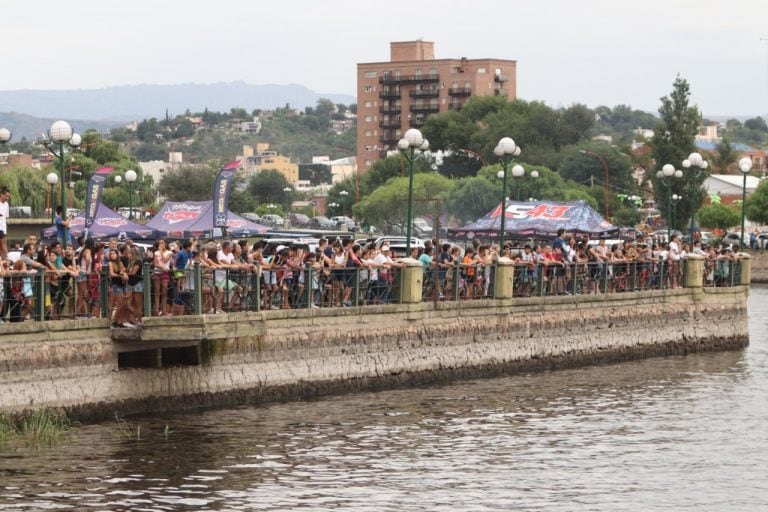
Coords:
94,192
221,190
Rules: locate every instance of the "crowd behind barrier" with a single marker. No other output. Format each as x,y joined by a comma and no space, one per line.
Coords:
118,280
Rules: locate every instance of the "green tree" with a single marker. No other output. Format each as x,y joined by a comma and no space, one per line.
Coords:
672,142
189,183
267,187
757,204
27,187
626,216
383,170
724,156
719,216
388,204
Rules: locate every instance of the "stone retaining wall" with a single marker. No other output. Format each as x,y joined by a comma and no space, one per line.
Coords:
276,355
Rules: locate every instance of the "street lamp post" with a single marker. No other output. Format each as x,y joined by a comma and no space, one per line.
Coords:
666,174
698,167
130,178
411,141
605,183
5,135
675,199
60,134
52,178
333,205
343,200
506,149
518,178
745,165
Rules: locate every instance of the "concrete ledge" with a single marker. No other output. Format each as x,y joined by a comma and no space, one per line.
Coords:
283,354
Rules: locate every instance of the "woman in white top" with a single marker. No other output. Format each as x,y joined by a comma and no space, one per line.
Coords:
674,258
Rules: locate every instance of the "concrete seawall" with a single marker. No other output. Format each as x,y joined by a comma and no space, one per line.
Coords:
242,358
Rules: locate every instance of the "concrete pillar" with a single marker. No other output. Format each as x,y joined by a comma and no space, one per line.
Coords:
694,271
746,268
504,283
411,280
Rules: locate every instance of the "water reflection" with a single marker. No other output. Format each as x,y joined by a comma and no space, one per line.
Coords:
678,433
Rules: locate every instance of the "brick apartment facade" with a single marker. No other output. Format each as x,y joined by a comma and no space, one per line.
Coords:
396,95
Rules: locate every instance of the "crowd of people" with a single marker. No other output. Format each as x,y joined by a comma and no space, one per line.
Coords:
123,281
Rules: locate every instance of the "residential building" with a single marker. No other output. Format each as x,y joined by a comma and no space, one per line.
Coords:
730,186
399,94
708,133
261,158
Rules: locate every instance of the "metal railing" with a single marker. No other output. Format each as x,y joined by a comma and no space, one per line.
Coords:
459,282
60,295
722,272
596,277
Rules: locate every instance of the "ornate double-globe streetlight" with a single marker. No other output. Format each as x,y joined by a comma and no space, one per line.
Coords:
5,135
675,199
745,165
52,179
696,167
665,176
130,179
506,150
60,134
412,140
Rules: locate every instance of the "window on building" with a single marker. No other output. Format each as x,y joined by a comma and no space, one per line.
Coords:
370,74
368,119
481,71
369,133
370,88
368,104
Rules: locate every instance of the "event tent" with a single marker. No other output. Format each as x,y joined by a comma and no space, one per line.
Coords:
106,224
195,218
537,219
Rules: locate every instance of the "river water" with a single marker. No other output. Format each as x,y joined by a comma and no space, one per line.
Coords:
676,433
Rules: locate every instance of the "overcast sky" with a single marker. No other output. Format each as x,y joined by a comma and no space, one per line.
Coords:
596,52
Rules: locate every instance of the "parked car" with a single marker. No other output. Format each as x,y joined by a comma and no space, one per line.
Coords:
322,222
422,227
298,219
397,244
344,222
733,238
762,240
272,219
253,217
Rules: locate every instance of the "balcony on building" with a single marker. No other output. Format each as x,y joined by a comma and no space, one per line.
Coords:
395,109
390,123
391,79
392,93
500,78
416,122
455,105
429,109
425,93
460,91
389,138
500,92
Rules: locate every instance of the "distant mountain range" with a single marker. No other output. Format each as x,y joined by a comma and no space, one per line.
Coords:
29,112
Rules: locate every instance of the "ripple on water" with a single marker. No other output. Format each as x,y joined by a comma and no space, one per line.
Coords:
677,433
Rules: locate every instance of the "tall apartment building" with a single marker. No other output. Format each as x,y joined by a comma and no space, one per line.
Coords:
397,95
